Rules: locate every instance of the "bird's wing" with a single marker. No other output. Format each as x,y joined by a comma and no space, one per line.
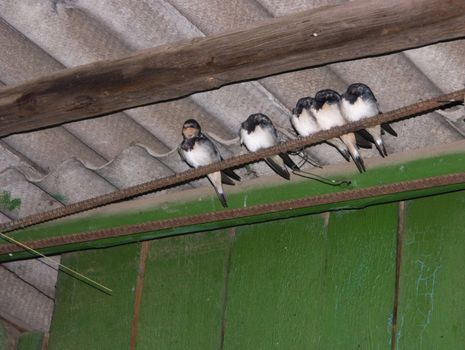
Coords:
364,138
231,174
388,128
278,166
226,179
288,161
226,174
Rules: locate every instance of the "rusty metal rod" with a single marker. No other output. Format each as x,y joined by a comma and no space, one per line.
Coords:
328,198
401,113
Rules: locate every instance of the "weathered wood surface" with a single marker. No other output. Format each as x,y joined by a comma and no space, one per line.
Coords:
274,276
351,30
85,317
302,284
357,299
431,305
184,291
30,341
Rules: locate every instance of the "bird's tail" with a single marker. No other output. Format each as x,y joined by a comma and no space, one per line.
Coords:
349,140
363,138
277,164
227,176
341,147
388,128
288,161
380,146
375,133
215,179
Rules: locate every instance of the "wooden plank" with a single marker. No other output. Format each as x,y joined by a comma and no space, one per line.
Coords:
144,252
360,279
86,318
30,341
351,30
9,334
4,338
431,308
297,284
184,291
399,168
276,270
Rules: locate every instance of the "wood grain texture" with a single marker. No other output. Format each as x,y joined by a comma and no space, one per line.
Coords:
297,284
329,34
86,318
183,296
3,337
360,279
144,252
274,284
431,305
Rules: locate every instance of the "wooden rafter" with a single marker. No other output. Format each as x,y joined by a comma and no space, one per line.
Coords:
330,34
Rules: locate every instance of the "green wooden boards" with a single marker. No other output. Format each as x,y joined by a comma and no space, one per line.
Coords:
184,291
274,275
299,284
359,279
3,337
432,294
30,341
86,318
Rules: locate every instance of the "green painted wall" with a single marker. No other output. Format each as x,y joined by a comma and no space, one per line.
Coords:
432,285
86,318
308,282
294,284
3,338
184,292
30,341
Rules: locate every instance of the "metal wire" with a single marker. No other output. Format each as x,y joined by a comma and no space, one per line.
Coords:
401,113
222,215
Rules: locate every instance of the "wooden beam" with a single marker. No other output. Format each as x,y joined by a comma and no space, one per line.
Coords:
352,30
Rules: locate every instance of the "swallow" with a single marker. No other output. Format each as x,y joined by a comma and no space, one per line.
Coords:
325,108
198,150
305,124
359,102
258,132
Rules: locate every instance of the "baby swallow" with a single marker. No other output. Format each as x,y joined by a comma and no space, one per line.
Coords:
359,102
305,124
258,132
197,150
325,109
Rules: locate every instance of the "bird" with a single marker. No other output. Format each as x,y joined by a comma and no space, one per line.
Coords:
198,150
305,124
258,132
359,102
325,108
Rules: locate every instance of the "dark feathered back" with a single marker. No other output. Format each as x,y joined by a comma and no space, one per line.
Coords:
357,90
302,103
325,96
256,119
